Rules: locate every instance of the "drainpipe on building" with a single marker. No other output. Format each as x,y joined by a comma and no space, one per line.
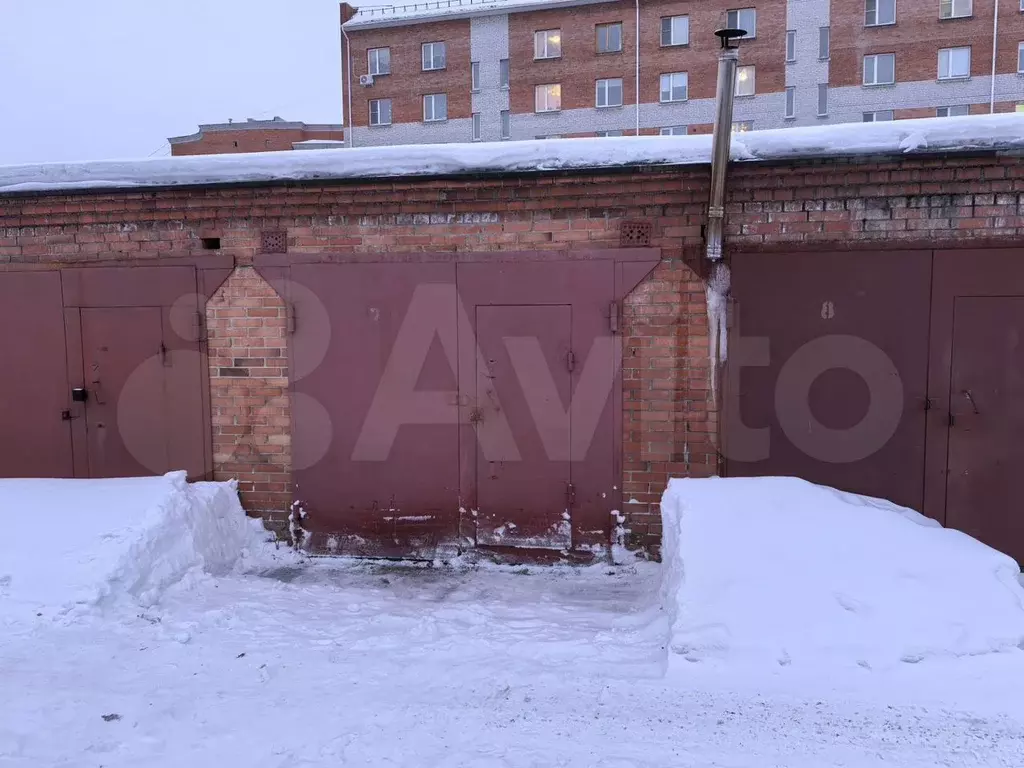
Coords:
719,279
995,47
347,64
638,67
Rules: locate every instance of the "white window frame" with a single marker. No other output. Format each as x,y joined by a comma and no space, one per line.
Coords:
431,99
790,46
824,43
1020,56
790,102
734,19
682,21
604,87
875,116
742,87
428,54
964,109
474,76
506,124
614,133
671,87
945,68
541,105
948,9
873,58
504,74
543,47
597,35
379,123
673,130
823,100
476,126
873,13
373,61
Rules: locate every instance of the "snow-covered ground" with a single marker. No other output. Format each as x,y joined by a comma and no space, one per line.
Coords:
333,663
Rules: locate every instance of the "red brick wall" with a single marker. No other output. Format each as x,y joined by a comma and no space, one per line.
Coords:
270,140
248,357
669,420
917,36
408,83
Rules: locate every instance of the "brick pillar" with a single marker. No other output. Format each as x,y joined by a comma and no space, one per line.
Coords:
251,417
669,415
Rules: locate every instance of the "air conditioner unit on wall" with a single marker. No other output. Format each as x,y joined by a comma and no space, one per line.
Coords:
366,80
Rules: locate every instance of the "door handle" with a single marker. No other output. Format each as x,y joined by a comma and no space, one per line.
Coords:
970,399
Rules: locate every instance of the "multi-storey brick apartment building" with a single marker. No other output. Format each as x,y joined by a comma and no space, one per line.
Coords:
257,136
461,70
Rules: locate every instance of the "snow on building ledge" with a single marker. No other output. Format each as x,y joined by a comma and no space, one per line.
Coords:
411,12
1004,132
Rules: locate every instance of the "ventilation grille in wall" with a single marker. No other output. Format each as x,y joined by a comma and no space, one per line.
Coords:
273,241
635,234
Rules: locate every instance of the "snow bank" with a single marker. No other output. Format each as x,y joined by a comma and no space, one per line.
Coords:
1004,131
68,543
778,571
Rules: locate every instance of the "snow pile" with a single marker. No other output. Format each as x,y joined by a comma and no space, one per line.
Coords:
1004,132
778,571
69,543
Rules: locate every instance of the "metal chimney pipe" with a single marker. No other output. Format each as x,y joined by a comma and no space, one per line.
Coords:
728,60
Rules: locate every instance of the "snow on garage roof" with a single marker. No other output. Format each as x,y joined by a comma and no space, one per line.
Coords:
947,134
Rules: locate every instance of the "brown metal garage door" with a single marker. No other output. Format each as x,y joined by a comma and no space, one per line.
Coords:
442,403
815,336
827,370
111,376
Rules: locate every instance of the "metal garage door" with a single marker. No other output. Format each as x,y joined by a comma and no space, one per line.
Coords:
440,404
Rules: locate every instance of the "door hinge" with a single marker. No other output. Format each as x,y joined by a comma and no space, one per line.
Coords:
570,360
199,327
570,495
164,359
290,314
613,317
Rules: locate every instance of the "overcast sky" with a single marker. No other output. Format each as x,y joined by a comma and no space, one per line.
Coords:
94,79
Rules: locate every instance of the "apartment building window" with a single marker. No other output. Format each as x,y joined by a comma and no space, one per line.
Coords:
434,56
503,73
1020,58
609,38
674,130
674,87
476,126
506,124
822,99
960,110
547,44
380,111
882,115
675,30
609,93
435,107
954,63
474,74
878,13
790,45
548,98
790,101
378,61
743,18
955,9
745,77
607,134
824,42
742,126
880,69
